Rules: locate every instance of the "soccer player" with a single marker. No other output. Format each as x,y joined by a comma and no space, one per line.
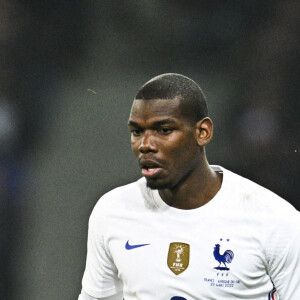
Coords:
188,230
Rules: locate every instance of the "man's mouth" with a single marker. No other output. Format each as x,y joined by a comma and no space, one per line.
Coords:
150,167
149,172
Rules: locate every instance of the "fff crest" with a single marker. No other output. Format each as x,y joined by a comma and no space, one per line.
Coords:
178,257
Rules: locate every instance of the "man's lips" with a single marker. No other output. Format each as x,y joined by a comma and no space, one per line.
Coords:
149,172
150,167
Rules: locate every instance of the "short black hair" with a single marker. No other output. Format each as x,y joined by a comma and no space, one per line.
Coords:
171,86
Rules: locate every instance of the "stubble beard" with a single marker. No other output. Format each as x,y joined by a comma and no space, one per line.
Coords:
154,185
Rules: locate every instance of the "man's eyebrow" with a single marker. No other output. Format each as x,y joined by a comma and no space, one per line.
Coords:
132,124
156,123
164,122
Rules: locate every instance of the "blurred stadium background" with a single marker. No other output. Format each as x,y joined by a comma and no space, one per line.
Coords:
68,73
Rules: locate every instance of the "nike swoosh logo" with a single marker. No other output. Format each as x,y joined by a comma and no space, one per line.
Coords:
130,247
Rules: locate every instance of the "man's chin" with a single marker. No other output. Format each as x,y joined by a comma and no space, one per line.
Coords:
156,185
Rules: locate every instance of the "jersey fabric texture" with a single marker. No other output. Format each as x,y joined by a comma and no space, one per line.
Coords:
240,245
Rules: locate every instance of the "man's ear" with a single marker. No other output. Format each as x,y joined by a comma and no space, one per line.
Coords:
204,131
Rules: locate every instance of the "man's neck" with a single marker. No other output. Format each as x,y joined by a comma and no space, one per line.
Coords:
198,189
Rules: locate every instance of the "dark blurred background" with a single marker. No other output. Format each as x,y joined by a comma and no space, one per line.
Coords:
68,73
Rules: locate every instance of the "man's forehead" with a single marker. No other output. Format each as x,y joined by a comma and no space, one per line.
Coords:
156,107
157,112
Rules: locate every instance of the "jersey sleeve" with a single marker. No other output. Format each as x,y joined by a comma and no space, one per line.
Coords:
283,254
100,276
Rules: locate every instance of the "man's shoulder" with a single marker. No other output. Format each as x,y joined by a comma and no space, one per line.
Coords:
121,197
125,190
254,194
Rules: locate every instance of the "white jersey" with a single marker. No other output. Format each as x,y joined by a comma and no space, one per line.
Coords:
240,245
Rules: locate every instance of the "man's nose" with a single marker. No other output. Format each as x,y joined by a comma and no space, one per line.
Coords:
147,143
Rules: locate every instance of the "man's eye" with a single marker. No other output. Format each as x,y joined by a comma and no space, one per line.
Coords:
166,131
136,132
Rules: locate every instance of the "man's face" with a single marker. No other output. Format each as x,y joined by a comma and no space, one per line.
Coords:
164,142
